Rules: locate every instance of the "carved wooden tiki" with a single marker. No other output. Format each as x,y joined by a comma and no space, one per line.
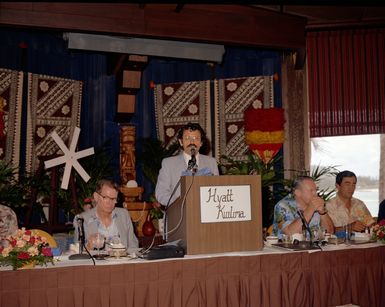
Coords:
127,154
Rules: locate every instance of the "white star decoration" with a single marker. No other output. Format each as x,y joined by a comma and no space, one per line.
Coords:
70,158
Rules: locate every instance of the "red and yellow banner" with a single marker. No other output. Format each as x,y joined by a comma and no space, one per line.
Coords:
264,131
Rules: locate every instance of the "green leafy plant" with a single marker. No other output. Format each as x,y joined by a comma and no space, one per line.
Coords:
153,152
98,166
318,173
10,191
150,159
274,186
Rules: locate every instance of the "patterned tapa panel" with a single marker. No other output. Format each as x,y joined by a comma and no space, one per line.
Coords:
11,87
180,103
53,104
232,98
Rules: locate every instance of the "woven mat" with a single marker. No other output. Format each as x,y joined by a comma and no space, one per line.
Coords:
11,87
232,98
53,104
179,103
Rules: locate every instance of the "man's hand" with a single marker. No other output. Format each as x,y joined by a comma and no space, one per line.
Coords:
358,226
318,204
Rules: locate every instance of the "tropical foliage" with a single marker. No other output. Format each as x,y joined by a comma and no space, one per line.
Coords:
274,185
10,190
150,158
19,189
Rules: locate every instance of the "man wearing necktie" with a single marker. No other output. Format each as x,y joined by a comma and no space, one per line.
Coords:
189,161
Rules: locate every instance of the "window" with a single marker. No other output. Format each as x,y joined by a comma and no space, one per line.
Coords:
359,154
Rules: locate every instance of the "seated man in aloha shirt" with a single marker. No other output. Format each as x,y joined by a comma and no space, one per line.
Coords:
344,209
304,199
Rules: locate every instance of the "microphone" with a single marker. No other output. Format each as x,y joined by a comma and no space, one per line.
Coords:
193,159
81,238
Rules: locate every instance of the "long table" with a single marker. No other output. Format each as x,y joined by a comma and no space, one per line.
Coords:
267,278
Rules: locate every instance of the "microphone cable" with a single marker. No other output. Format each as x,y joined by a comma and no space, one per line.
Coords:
181,209
190,167
306,225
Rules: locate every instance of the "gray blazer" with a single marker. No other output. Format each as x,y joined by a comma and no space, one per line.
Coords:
123,224
171,171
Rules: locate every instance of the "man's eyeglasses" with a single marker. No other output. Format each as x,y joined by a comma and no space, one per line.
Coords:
192,138
114,200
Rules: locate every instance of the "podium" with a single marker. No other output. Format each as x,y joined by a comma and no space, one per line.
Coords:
217,214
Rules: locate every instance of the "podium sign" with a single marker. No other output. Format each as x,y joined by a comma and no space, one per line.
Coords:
217,214
225,204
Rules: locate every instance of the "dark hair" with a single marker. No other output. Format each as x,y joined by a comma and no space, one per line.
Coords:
192,127
205,148
298,181
106,182
343,174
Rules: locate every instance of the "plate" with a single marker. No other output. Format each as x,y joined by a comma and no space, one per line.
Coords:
361,241
124,258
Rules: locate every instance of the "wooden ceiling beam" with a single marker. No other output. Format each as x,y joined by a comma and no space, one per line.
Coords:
223,24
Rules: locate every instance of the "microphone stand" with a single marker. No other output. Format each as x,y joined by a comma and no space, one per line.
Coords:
190,167
81,239
306,225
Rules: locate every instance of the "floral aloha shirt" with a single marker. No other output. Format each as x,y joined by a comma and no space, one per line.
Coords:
285,212
341,216
8,221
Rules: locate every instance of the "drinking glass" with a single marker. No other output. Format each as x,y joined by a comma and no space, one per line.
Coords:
347,230
98,243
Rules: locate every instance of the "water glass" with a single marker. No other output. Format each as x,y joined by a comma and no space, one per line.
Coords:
99,243
348,231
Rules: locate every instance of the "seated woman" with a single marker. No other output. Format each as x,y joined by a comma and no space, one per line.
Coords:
8,221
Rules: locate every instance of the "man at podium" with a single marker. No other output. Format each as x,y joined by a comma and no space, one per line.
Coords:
189,161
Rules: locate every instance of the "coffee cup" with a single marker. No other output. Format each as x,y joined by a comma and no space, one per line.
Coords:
271,240
297,236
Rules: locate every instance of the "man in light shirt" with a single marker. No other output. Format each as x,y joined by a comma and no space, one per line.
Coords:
106,219
190,137
344,209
